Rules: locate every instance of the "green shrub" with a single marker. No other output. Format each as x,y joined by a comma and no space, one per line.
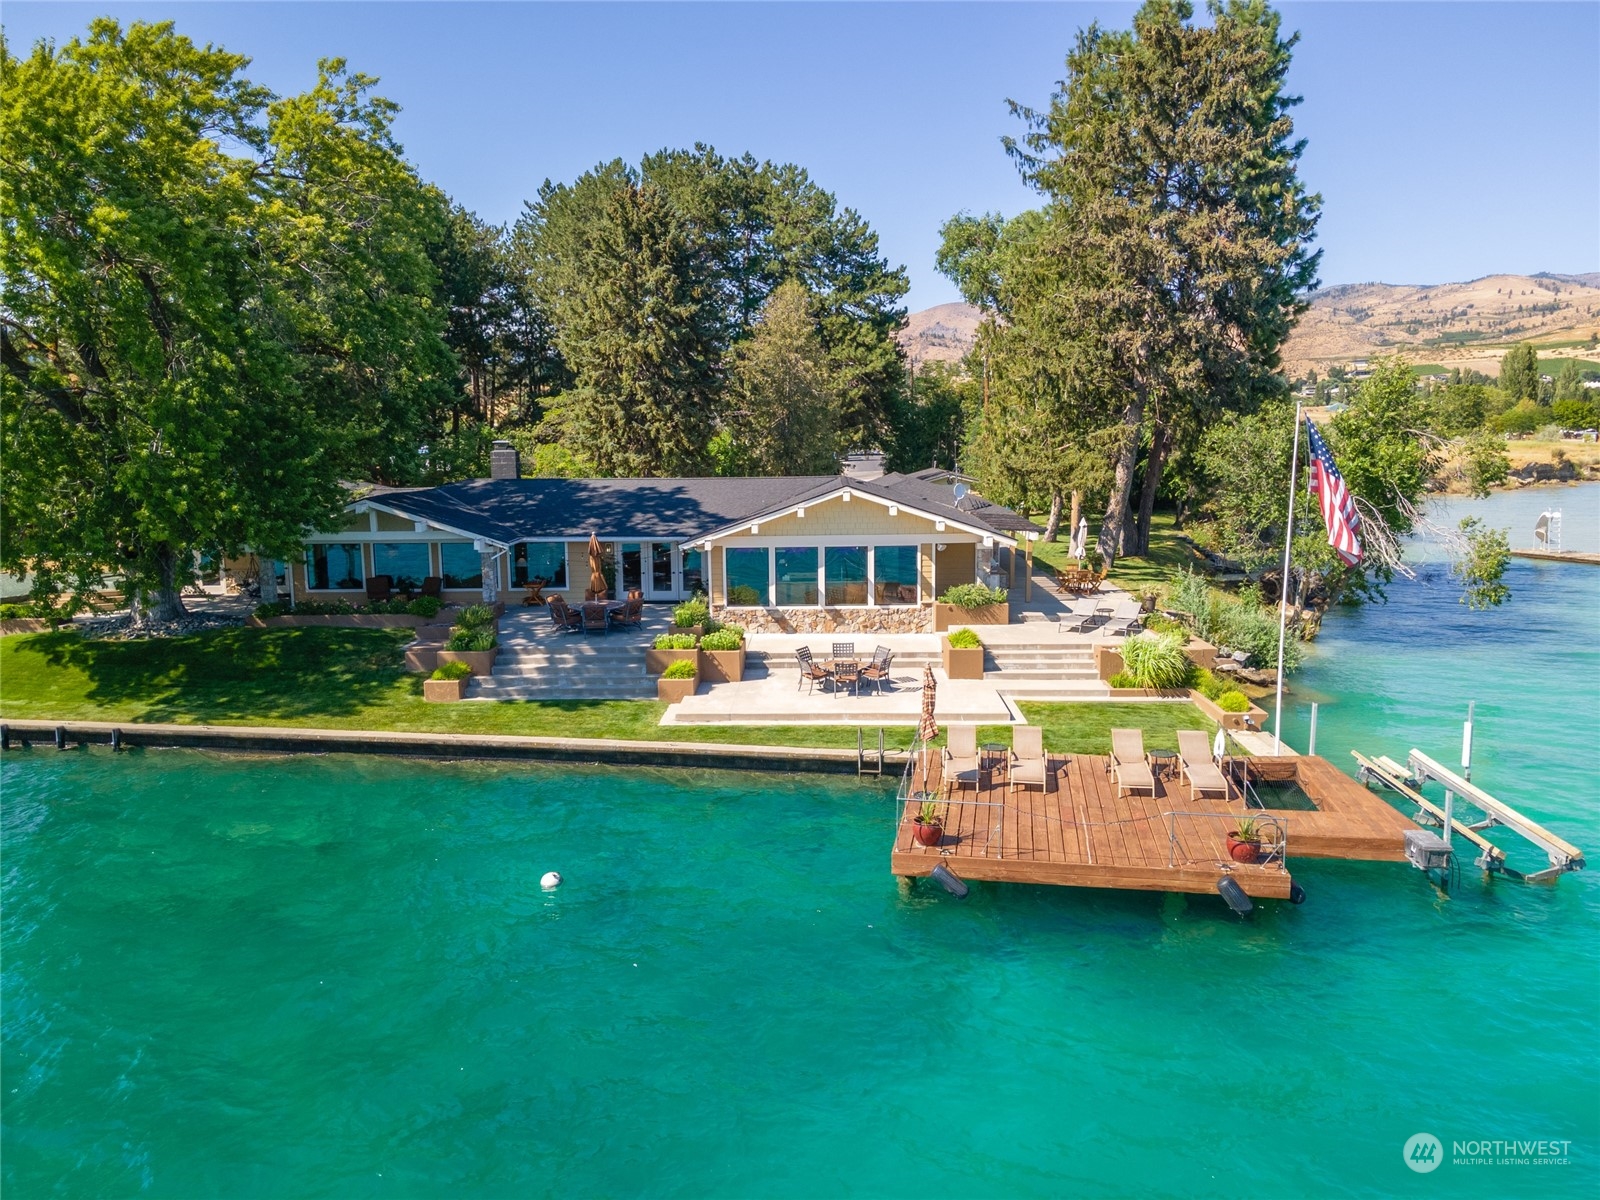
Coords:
1190,593
475,616
973,595
1207,684
729,637
1123,680
1157,660
263,611
745,596
692,612
684,668
674,641
1576,414
1254,630
1159,623
425,606
451,670
471,639
1233,701
964,639
393,607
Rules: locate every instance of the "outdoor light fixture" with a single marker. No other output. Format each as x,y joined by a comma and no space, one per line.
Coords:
755,529
846,496
894,510
939,526
800,512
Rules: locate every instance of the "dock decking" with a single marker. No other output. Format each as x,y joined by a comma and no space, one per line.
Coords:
1080,833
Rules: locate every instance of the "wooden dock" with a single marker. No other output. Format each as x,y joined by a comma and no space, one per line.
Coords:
1079,833
1573,556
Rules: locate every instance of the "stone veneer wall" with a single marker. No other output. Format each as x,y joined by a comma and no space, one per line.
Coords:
909,619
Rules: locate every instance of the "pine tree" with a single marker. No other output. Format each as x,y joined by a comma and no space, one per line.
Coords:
1519,373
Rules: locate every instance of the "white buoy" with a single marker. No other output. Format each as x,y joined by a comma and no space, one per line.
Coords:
550,880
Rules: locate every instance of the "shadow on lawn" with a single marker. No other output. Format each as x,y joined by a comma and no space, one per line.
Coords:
259,674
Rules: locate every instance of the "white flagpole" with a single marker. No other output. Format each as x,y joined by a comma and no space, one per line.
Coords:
1283,602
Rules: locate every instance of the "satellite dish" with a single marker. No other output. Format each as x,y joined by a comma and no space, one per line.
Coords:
961,491
1541,529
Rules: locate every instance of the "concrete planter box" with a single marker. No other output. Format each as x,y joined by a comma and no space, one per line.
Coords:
480,661
1201,654
23,625
655,661
722,666
1228,720
670,691
439,691
343,621
1149,694
961,664
422,657
436,632
948,616
1108,659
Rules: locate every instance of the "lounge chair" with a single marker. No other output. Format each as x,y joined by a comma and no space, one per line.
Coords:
1199,769
958,761
380,587
1129,764
877,671
1077,620
811,671
1029,765
565,619
595,617
433,586
1124,619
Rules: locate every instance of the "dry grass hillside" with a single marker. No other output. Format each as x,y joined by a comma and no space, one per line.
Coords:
943,333
1449,324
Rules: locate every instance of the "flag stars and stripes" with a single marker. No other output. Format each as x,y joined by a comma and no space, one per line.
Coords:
1333,497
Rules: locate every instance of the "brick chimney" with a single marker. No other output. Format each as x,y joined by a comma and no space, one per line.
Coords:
504,461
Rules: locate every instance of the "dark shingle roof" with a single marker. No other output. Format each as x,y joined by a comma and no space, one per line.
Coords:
682,509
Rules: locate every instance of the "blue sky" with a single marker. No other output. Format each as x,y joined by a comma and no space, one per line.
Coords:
1448,140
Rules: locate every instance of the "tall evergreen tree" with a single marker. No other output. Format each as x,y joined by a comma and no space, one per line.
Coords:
1519,373
1177,222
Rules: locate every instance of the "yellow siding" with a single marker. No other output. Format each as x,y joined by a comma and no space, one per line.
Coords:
925,569
957,563
389,523
835,518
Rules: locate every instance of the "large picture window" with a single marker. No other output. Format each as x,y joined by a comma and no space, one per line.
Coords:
406,563
334,566
694,571
540,560
460,565
847,575
796,568
746,572
894,574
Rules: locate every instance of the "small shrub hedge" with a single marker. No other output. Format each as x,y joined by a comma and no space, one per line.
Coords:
973,595
684,668
451,670
1208,685
964,639
1123,680
695,611
674,641
727,637
1160,623
471,639
475,616
425,606
1233,701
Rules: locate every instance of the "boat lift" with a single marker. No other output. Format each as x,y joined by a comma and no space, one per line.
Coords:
1428,851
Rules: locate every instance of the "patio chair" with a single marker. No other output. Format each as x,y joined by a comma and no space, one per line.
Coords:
565,619
1029,765
535,587
1125,617
631,613
1129,764
877,671
1075,620
958,761
380,587
811,671
1198,768
595,618
844,649
846,674
433,586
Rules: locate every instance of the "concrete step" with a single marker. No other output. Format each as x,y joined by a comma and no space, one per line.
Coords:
1006,676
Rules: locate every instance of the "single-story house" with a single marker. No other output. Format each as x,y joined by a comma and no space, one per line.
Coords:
861,550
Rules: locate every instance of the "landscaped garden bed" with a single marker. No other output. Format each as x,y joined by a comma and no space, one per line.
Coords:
971,604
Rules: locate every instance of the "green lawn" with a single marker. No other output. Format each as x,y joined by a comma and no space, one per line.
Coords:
1167,555
352,679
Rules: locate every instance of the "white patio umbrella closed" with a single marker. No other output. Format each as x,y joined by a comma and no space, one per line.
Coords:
1080,538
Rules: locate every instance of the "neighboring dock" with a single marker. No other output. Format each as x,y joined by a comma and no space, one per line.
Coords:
1079,833
1577,556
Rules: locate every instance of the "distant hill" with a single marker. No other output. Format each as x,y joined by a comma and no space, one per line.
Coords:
1448,324
943,333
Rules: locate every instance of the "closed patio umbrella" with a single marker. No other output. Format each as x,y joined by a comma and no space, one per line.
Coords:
597,570
1080,538
929,728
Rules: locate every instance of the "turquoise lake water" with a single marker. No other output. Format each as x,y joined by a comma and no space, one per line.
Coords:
236,976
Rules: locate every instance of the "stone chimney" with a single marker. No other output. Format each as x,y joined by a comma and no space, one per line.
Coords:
504,461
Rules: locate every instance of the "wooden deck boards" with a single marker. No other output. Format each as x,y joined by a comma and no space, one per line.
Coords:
1079,832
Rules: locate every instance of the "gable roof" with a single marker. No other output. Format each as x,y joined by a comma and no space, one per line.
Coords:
676,509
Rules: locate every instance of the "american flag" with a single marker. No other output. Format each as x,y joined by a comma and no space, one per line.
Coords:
1338,510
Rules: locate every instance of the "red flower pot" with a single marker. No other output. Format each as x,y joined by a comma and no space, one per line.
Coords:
1245,852
927,834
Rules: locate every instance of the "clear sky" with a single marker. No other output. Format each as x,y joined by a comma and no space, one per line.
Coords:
1448,140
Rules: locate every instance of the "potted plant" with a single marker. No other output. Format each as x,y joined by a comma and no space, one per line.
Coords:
668,649
474,647
962,653
677,681
448,682
927,826
1244,843
722,654
692,616
971,604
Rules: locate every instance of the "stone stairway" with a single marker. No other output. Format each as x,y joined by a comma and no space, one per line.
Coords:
569,667
1043,671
